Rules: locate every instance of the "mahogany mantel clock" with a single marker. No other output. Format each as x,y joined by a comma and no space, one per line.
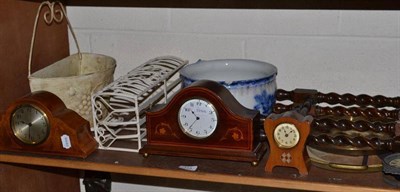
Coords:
40,123
204,120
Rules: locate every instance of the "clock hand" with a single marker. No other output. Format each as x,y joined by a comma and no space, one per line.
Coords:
197,118
29,124
29,130
194,114
286,134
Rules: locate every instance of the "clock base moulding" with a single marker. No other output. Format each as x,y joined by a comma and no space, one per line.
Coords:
253,156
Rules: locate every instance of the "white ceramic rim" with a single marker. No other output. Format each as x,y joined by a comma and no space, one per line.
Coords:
268,76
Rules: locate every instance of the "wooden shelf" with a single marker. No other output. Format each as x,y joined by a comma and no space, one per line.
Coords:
209,171
247,4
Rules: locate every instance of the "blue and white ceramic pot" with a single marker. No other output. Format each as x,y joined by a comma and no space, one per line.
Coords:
252,83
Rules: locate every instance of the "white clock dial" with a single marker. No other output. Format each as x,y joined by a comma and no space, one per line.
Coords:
286,135
198,118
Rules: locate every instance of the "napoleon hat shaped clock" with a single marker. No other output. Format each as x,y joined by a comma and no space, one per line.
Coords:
204,120
41,123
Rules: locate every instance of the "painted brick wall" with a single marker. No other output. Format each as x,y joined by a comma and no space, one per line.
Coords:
328,50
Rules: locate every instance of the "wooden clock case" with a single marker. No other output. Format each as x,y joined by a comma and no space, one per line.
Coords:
295,157
62,120
237,136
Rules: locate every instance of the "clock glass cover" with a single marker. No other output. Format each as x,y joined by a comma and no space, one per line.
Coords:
198,118
286,135
30,124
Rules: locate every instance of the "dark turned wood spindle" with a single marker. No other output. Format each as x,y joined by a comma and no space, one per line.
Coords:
346,99
360,142
325,125
360,100
297,96
367,113
281,108
282,95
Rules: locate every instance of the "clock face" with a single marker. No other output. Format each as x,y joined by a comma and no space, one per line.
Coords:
286,135
395,163
198,118
30,124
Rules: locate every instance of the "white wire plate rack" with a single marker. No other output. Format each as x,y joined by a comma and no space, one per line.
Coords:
119,108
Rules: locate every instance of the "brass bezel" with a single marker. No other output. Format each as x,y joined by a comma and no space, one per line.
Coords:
280,145
18,136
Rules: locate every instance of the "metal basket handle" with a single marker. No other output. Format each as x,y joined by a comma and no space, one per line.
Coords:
49,17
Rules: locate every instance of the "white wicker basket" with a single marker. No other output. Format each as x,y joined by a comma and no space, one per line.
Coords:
74,78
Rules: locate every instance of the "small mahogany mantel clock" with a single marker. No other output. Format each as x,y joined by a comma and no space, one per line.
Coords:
41,123
287,134
204,120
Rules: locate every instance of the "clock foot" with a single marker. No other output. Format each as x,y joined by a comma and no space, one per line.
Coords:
254,163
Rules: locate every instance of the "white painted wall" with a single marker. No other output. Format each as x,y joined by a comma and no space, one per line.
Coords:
327,50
